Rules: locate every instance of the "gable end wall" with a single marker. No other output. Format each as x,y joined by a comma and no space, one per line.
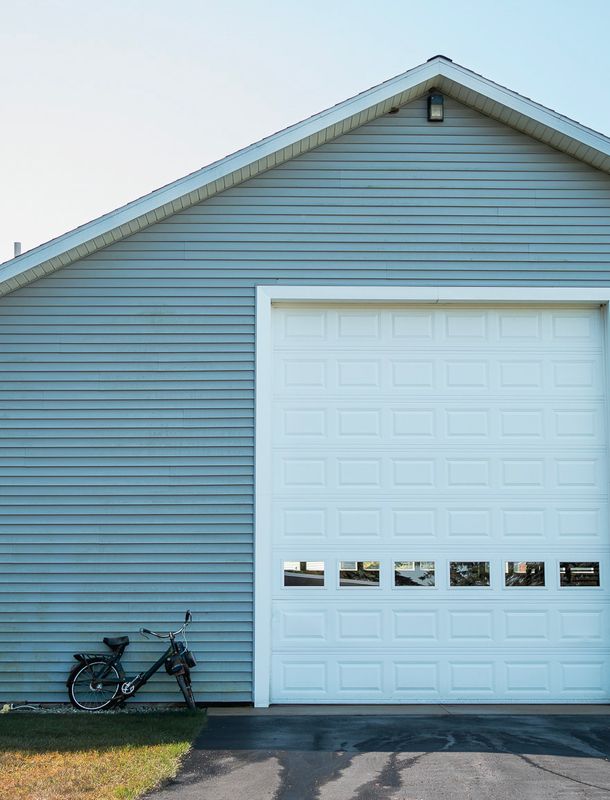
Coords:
127,379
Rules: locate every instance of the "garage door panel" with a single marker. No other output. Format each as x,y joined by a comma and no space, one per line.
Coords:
523,427
526,626
420,434
292,521
415,624
358,626
292,626
416,679
434,623
396,377
528,677
580,472
580,523
301,678
585,677
417,523
356,676
457,680
585,624
439,325
439,565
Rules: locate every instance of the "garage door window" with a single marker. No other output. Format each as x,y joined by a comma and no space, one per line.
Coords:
469,573
579,573
303,573
414,573
524,573
358,573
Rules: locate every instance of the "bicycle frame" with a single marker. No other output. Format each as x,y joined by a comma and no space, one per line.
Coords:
141,678
129,686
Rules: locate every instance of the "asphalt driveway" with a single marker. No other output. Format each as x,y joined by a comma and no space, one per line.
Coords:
397,757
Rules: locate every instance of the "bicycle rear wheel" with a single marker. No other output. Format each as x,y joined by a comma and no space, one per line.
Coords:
184,682
94,686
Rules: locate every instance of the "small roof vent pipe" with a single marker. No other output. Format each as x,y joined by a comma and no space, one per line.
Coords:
16,249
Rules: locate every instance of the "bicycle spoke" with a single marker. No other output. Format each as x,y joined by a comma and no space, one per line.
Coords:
90,690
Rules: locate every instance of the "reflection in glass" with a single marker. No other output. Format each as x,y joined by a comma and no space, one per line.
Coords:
303,573
359,573
579,573
469,573
524,573
414,573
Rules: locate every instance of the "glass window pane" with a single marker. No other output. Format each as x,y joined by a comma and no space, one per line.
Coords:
579,573
524,573
359,573
469,573
303,573
414,573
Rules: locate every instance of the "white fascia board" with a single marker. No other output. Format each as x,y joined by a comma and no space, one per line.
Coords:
434,294
523,105
274,149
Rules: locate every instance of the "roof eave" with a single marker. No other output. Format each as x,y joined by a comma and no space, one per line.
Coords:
462,84
215,178
527,116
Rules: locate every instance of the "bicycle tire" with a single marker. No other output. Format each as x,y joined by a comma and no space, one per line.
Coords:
184,682
100,698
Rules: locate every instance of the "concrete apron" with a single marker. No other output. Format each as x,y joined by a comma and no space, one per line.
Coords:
398,753
414,710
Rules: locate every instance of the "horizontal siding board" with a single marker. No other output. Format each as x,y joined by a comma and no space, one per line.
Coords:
130,540
127,378
57,563
54,655
129,417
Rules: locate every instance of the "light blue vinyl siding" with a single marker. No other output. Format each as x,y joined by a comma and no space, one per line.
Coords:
127,388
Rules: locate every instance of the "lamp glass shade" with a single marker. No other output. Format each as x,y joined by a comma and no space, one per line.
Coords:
436,108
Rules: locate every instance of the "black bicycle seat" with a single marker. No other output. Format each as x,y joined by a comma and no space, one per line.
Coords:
114,642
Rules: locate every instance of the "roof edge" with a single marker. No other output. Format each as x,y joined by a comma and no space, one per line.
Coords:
463,84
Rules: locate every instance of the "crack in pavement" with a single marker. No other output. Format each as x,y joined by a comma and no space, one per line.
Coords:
532,763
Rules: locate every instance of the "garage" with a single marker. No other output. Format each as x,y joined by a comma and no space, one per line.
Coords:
436,491
342,394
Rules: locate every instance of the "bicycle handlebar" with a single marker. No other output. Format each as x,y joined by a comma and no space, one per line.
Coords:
188,618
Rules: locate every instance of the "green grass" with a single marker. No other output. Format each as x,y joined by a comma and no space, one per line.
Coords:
91,757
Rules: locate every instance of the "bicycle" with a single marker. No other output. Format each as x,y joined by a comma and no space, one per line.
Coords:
98,681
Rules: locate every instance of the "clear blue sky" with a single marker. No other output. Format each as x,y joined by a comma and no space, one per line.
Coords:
105,100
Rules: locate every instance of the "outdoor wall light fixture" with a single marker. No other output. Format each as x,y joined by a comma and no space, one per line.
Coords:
436,107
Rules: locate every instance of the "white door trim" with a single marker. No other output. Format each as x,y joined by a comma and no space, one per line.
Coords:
266,296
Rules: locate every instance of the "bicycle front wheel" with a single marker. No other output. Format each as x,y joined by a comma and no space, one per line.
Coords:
184,682
94,686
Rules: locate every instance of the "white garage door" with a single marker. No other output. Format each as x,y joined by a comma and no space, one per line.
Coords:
439,505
